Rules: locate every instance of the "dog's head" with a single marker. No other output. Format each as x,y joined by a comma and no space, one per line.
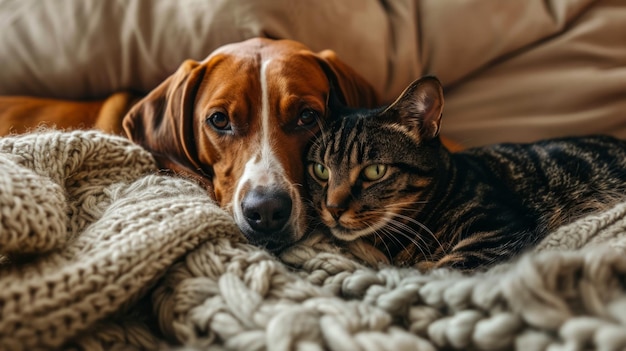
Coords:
239,122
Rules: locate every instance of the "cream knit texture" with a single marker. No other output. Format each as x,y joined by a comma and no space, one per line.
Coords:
100,252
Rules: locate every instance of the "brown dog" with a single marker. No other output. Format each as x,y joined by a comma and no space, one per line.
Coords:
238,122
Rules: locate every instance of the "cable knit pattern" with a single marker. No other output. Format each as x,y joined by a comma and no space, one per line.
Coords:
101,253
32,210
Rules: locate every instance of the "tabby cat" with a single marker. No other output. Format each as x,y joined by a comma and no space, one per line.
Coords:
383,177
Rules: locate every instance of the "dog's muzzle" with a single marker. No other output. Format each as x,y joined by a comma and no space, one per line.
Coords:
267,213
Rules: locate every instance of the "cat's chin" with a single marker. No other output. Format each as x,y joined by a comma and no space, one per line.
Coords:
342,233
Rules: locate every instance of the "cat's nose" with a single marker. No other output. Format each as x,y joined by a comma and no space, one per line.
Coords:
335,211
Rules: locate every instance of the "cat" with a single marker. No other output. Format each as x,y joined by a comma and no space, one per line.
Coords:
382,177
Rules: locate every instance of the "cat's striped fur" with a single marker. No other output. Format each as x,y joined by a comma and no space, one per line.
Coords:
436,208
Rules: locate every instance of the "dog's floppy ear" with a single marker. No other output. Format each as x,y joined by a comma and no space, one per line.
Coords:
355,91
162,122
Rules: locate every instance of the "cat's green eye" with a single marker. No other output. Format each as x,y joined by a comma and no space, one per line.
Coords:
374,172
320,172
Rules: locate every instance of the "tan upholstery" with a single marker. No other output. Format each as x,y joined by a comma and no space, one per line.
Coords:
514,71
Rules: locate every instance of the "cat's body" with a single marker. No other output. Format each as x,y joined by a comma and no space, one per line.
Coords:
383,177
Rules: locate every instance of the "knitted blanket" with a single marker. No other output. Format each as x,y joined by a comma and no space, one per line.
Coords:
98,251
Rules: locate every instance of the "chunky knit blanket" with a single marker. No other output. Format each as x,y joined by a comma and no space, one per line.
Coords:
98,251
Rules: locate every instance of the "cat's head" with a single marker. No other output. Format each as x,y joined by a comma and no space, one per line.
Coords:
370,170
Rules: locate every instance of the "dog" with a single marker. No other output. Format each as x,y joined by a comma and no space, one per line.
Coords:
23,114
238,122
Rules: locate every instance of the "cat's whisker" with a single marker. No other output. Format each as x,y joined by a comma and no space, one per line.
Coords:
389,253
404,205
387,231
413,237
322,138
317,142
400,227
395,228
411,220
418,223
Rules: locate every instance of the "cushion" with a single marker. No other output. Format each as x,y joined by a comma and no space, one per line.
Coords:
516,71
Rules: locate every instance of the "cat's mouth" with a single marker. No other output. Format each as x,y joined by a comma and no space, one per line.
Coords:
351,225
346,232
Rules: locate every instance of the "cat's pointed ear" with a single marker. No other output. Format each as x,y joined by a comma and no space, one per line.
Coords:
420,107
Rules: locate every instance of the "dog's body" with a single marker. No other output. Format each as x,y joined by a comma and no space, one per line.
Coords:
239,123
21,114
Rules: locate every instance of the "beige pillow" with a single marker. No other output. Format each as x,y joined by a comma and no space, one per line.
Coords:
91,48
515,70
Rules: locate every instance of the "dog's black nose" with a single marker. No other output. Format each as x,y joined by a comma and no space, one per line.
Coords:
266,211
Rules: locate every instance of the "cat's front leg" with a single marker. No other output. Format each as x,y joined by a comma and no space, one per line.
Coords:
458,261
484,251
453,261
425,266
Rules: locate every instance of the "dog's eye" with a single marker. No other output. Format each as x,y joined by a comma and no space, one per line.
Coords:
307,118
219,121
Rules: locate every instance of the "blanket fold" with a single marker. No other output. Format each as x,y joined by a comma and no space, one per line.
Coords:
124,226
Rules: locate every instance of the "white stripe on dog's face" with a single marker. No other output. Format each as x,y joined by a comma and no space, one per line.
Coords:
268,169
263,169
